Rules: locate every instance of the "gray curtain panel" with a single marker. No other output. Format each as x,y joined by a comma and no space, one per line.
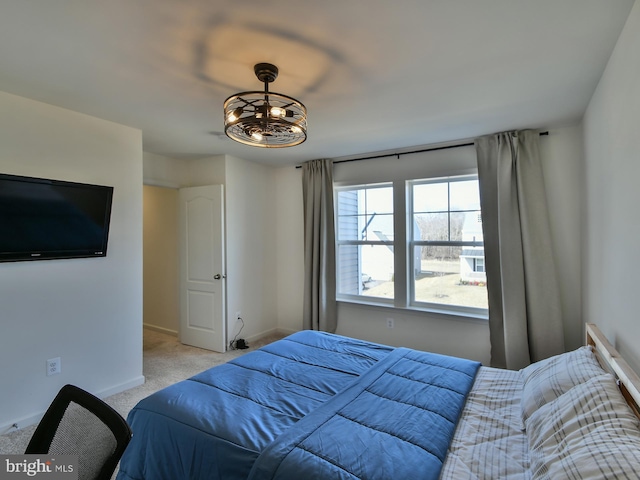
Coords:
319,311
525,317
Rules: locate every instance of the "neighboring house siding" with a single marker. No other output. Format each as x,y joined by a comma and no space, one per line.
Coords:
349,280
472,258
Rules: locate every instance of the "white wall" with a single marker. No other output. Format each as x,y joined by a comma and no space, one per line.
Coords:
162,171
251,231
88,312
289,248
205,171
251,245
562,159
612,169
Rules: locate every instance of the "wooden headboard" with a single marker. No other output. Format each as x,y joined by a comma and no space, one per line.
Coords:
610,359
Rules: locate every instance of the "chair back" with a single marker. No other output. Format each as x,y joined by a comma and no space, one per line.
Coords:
78,423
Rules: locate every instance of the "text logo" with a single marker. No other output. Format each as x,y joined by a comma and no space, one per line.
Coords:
50,467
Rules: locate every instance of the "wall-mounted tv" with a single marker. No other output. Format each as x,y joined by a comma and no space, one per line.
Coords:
43,219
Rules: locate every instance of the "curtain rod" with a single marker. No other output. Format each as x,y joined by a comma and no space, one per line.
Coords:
430,149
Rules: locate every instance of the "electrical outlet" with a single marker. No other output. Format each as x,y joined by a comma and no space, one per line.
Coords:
238,315
390,323
53,366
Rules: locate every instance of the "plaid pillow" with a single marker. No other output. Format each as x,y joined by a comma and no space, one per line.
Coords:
546,380
588,433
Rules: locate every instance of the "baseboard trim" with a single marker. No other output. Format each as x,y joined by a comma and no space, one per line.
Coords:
273,331
120,388
29,420
155,328
22,423
286,331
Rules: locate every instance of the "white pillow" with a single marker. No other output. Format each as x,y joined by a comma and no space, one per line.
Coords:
546,380
588,433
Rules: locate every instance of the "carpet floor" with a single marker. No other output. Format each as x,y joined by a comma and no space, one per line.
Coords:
165,362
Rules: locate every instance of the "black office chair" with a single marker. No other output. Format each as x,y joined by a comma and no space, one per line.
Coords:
78,423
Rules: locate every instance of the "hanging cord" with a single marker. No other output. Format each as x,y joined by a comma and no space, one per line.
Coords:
238,344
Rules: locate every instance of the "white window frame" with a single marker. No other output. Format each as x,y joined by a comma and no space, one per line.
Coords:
339,242
403,251
457,309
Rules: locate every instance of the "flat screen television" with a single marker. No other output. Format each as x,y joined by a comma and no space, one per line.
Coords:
43,219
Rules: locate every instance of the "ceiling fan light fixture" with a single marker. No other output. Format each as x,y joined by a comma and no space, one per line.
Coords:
263,118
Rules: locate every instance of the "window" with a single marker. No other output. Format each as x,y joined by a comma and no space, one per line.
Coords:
478,265
365,241
446,242
436,259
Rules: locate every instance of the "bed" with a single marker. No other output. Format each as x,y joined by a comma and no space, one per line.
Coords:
317,405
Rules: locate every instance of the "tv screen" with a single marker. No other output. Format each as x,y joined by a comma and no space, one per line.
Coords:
44,219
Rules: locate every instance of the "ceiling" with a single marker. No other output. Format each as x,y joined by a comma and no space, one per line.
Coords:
375,75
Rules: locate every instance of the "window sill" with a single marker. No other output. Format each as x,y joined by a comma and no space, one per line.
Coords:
444,312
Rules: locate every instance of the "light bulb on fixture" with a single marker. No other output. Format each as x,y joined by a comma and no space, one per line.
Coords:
234,115
278,112
265,119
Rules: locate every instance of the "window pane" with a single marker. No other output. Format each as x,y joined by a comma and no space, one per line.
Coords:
347,196
365,213
445,275
349,281
432,226
379,228
348,227
471,230
465,195
457,220
379,200
377,271
348,219
431,197
456,227
365,270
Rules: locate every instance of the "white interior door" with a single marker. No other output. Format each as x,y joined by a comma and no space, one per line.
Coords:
202,275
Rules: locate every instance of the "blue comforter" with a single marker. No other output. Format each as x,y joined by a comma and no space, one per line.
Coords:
309,401
394,422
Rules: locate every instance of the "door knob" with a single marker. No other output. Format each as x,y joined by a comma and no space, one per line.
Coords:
217,276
